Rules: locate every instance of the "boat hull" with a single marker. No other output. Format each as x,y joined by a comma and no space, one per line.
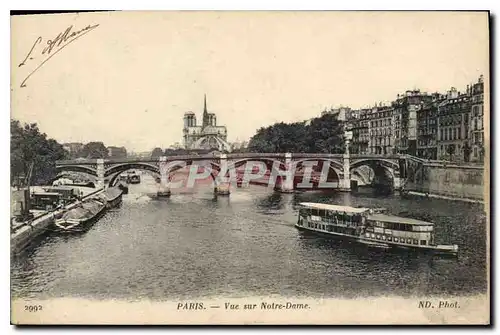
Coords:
384,245
115,202
72,226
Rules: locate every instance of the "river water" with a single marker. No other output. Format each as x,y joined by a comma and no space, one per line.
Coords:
193,245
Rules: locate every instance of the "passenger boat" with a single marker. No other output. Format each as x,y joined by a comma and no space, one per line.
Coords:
81,217
373,228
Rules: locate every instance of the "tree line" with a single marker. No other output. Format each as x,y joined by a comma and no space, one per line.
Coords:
30,146
324,134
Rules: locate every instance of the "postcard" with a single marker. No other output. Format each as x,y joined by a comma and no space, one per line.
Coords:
250,167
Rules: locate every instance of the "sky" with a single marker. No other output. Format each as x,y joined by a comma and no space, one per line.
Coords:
129,81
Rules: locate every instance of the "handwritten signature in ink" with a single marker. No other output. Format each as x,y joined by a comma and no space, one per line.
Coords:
53,47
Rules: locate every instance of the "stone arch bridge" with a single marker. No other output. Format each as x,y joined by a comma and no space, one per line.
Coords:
282,168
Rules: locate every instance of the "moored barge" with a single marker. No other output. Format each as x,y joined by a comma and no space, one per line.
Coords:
82,217
370,227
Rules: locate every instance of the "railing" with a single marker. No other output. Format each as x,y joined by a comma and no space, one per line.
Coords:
228,156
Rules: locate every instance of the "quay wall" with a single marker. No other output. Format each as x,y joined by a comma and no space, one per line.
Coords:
450,181
29,231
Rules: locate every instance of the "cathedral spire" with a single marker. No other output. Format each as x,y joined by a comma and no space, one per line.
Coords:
205,105
205,113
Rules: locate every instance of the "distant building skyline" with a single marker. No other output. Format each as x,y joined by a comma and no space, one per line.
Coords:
258,68
343,113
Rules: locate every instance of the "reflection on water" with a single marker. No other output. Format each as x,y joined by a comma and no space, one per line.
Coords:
197,245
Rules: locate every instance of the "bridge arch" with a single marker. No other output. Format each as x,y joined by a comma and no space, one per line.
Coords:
88,170
334,166
384,170
272,165
72,174
113,172
174,166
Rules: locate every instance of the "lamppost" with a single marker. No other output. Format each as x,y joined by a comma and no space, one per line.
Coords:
345,183
347,140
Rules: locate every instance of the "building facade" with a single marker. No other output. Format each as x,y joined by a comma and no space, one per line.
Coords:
477,121
117,152
208,135
73,148
341,113
405,120
453,127
431,126
359,124
381,130
427,128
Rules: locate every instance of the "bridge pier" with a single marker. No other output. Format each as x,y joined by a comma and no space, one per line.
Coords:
286,185
397,183
164,188
345,181
100,173
222,186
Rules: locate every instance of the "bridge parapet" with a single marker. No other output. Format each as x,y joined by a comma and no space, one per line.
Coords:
375,156
255,155
316,155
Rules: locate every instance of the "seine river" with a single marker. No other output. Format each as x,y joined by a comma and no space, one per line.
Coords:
193,246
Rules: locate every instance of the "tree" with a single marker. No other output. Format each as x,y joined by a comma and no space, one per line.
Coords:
326,135
94,150
29,146
157,152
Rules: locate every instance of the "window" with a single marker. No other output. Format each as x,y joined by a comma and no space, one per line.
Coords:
389,238
441,135
408,240
458,133
423,242
415,242
395,239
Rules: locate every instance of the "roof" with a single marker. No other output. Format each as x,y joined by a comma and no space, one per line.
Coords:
45,193
398,219
60,187
336,208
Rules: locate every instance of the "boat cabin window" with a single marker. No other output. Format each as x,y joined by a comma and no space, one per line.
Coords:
393,225
423,228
